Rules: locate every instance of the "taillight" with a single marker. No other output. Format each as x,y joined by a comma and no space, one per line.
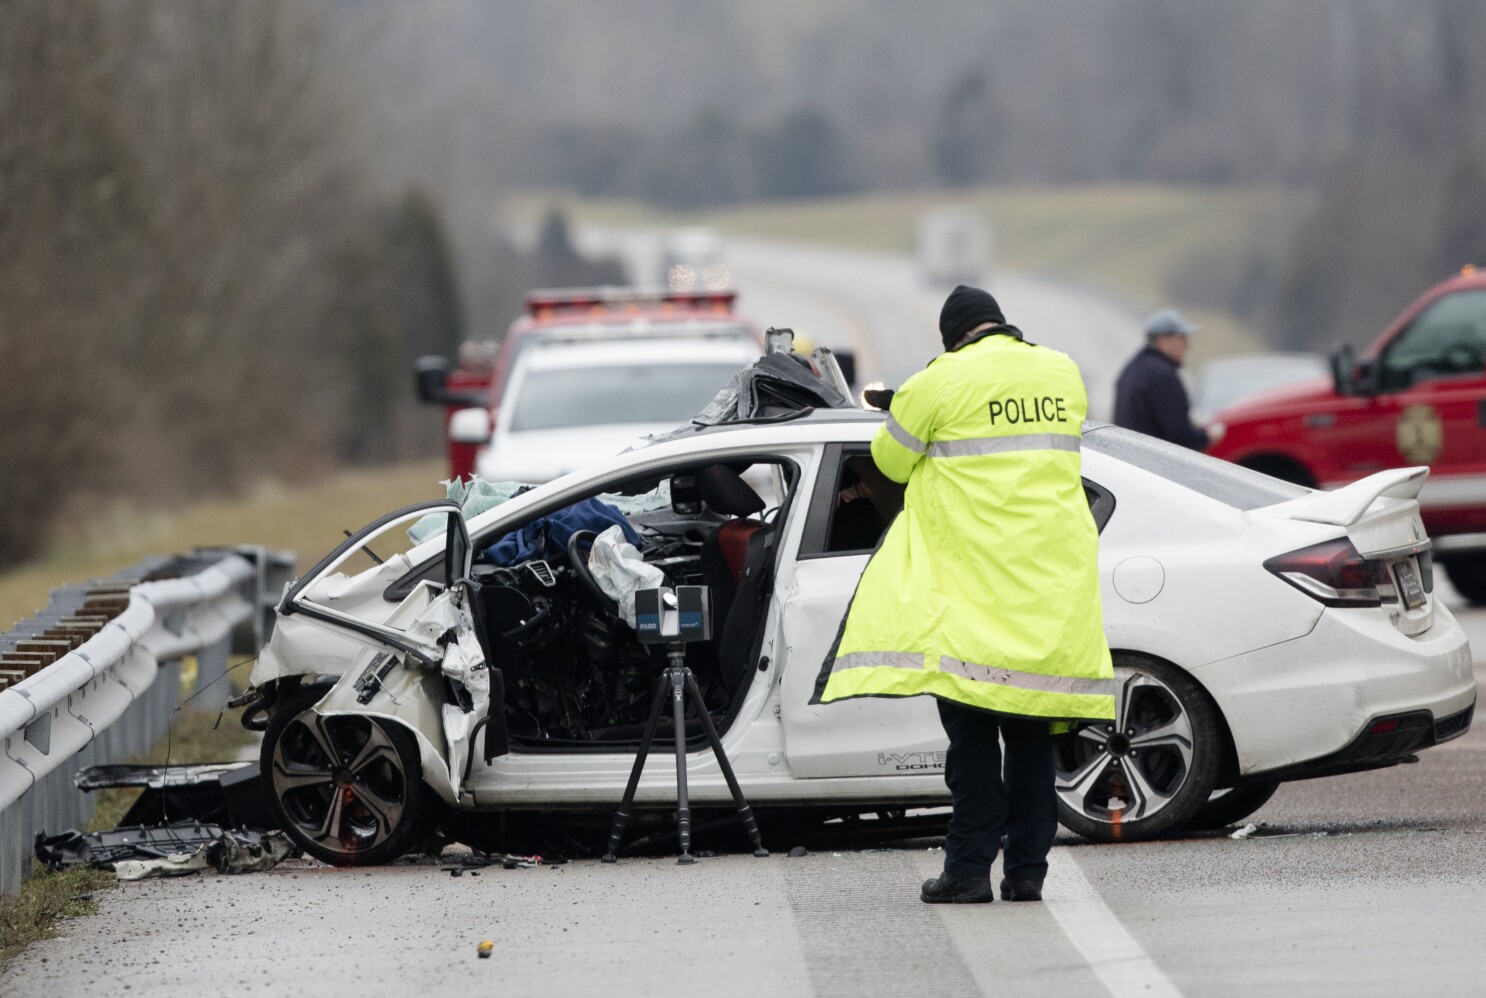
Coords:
1332,572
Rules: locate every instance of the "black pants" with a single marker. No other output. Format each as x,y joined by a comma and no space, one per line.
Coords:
1023,805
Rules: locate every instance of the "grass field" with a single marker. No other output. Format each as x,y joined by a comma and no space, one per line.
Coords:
45,900
307,521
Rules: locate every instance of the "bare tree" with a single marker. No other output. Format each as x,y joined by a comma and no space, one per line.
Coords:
68,218
180,191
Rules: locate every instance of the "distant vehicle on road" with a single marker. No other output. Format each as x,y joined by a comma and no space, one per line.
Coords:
693,261
1224,380
570,315
953,246
1416,396
1262,632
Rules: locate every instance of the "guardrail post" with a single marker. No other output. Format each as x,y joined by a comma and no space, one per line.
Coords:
14,849
211,666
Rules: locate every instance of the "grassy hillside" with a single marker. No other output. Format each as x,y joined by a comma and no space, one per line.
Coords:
1189,246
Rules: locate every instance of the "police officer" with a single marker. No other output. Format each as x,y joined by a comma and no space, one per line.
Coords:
1149,396
984,592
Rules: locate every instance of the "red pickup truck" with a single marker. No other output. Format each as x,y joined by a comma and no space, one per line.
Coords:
1415,396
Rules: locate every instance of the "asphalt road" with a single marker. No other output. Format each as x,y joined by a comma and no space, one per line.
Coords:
1371,884
1368,884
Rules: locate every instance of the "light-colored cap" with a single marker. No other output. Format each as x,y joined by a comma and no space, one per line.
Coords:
1166,321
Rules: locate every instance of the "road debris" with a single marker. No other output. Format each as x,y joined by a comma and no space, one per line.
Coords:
476,860
229,794
484,949
139,852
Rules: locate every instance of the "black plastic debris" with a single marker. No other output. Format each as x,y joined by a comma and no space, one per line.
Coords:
778,385
102,849
165,850
457,863
229,794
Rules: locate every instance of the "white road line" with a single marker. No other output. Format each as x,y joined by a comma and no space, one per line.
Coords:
1115,957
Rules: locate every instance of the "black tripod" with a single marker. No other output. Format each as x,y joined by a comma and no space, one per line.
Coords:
681,684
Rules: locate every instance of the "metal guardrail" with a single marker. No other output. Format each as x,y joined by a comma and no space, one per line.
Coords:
95,677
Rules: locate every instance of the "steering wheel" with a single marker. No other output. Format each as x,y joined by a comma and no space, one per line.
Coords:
579,544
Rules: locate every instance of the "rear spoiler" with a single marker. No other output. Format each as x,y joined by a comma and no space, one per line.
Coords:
1346,505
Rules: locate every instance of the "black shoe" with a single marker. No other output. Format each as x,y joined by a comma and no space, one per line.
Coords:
945,889
1020,890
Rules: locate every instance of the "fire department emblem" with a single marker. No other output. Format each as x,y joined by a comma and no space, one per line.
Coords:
1419,434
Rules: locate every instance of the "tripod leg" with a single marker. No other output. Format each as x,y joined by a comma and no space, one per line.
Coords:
677,675
621,816
745,813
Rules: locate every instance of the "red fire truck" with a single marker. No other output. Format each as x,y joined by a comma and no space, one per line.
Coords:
1416,395
571,314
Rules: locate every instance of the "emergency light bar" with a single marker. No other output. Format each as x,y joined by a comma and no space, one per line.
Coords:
641,328
548,300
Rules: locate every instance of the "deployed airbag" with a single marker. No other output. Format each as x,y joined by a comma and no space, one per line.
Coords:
620,571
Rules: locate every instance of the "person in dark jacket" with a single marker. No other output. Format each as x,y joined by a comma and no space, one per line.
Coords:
1149,396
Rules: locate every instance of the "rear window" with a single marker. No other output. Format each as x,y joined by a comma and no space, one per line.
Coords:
1228,483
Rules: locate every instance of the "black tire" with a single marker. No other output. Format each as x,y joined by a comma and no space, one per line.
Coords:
1169,734
1229,807
1468,575
366,806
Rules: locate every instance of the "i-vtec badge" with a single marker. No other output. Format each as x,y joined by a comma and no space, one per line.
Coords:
911,760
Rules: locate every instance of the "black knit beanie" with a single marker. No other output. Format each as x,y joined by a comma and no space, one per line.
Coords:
964,309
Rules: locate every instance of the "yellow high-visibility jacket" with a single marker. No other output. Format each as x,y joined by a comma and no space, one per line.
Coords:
985,589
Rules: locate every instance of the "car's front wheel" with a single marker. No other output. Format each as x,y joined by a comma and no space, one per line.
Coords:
1153,768
347,789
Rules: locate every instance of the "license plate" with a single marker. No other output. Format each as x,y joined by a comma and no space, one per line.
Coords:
1408,582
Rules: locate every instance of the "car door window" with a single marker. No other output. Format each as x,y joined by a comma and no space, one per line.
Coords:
345,589
854,504
386,545
1447,339
864,503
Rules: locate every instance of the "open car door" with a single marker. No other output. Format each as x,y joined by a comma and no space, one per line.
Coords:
430,634
356,603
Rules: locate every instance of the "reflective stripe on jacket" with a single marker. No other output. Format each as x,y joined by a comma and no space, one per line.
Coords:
985,589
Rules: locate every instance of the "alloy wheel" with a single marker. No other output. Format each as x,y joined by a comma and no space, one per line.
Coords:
341,782
1138,776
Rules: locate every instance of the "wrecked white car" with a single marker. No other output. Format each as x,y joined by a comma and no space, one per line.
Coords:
1262,632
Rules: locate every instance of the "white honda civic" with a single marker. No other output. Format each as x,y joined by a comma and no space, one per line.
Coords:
1262,632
